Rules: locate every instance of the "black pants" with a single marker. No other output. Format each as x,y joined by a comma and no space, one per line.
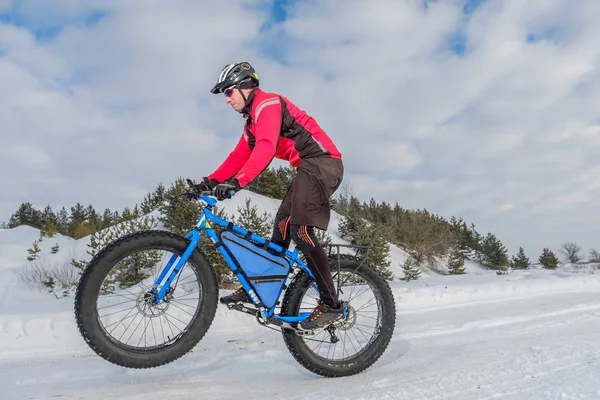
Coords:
306,206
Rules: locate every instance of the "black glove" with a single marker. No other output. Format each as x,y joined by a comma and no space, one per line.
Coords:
226,190
206,185
194,189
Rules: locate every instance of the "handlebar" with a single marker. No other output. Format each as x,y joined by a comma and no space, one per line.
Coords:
191,193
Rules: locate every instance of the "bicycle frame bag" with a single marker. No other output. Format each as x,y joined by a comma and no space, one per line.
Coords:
265,272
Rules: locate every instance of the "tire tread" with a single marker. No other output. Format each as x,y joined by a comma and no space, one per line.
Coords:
138,358
297,347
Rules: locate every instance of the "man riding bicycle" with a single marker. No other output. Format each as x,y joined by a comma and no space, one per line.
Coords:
276,127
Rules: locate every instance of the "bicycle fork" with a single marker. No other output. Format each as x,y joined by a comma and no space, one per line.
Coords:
194,235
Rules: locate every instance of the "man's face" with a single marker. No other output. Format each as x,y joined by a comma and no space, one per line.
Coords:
234,98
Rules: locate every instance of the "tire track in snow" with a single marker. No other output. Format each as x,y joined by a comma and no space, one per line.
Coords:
495,322
544,347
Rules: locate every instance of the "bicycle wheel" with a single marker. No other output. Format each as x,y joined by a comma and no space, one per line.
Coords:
364,335
124,272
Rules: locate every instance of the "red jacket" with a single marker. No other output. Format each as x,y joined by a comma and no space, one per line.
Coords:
275,128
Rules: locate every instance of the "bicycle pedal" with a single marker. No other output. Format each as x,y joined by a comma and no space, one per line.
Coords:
242,308
310,332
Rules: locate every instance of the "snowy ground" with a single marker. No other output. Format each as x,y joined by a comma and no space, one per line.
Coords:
526,335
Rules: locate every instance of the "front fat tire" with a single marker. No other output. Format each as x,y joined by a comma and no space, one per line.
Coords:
331,368
86,314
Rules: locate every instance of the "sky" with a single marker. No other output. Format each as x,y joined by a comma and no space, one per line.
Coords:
480,109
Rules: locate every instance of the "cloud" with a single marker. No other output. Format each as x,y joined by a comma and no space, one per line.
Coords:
480,119
480,109
122,103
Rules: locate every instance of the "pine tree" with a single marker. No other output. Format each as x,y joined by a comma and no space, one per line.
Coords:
25,215
135,268
520,261
503,269
62,221
93,219
249,219
153,200
323,236
378,255
178,214
49,228
80,229
33,251
48,215
456,262
410,269
341,201
548,259
76,221
351,221
464,237
54,249
476,245
129,214
494,253
359,232
77,213
271,183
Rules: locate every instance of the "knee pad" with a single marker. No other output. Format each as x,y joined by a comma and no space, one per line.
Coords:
304,237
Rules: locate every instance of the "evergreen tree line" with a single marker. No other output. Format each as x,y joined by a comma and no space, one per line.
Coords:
76,223
429,238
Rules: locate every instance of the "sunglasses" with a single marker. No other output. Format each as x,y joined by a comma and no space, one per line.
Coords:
228,92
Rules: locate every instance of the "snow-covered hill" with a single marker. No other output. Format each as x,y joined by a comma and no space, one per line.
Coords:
527,335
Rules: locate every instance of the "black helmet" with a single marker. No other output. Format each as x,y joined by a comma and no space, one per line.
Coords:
233,75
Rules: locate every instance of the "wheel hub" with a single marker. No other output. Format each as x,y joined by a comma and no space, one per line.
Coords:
350,319
146,305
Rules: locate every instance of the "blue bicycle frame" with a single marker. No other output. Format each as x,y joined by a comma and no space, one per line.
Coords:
204,224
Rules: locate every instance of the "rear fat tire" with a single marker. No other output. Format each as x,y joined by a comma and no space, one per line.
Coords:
86,314
360,362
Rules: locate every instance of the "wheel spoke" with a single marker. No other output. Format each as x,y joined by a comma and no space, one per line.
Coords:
355,334
177,310
128,269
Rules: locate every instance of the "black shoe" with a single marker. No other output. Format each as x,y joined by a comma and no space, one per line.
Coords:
239,296
322,316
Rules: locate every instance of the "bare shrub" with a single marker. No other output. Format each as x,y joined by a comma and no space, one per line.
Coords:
49,276
571,252
594,255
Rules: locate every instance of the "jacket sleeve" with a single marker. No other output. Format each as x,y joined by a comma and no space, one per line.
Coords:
234,161
267,131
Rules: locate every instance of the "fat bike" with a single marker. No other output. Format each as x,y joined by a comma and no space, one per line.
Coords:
138,308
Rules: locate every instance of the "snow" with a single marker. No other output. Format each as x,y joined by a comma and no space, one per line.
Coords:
530,334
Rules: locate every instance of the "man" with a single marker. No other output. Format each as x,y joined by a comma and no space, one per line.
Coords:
276,127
